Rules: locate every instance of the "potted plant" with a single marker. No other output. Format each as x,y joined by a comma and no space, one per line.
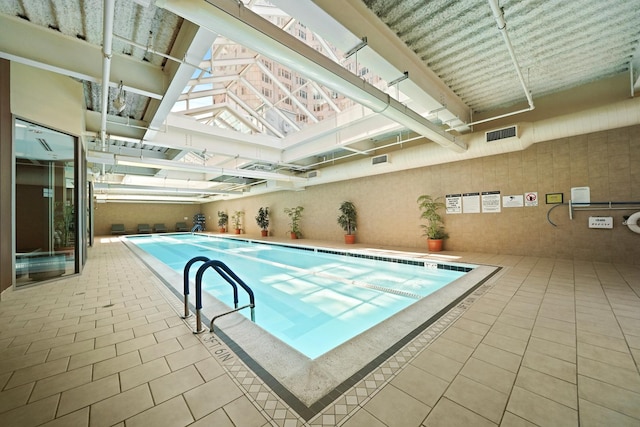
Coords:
237,219
63,233
347,220
294,225
223,218
262,219
434,228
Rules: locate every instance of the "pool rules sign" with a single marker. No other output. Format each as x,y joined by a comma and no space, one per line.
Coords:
453,203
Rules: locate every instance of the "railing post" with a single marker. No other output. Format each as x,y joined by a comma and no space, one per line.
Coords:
185,276
222,268
239,281
199,274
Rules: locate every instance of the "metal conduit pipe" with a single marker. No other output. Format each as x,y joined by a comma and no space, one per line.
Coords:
631,78
502,26
107,39
498,14
164,55
233,20
364,152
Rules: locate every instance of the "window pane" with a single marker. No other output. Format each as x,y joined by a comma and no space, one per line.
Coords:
45,203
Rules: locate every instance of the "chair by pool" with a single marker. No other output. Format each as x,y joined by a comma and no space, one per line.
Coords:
159,228
117,229
182,226
144,229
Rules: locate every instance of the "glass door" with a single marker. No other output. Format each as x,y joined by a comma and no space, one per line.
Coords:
45,203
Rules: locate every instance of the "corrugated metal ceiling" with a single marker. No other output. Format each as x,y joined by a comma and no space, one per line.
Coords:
559,44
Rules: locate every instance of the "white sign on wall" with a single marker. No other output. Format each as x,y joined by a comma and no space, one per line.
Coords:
490,201
515,201
471,203
453,203
531,198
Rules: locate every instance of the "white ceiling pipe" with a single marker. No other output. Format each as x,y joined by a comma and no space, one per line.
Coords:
116,188
107,39
238,23
141,198
502,26
498,14
490,119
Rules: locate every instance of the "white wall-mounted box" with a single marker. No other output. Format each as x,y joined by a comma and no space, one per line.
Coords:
600,222
581,195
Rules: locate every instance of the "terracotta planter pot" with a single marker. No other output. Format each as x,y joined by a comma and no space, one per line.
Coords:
222,229
237,231
349,239
294,235
264,233
434,245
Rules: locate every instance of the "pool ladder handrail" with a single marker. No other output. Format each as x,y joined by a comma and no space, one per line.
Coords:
226,273
185,277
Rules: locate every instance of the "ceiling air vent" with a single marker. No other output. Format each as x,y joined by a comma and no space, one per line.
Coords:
378,160
313,174
504,133
44,144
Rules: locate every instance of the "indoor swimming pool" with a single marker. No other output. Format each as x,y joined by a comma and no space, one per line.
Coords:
311,299
331,314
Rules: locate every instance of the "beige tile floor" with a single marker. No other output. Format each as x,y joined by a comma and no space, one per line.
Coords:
544,342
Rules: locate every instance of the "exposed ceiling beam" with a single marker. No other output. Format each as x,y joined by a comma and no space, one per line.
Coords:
116,125
157,189
186,133
213,170
250,111
50,50
338,134
201,94
191,44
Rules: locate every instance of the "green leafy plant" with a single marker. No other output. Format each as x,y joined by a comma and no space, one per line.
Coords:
223,219
262,219
348,217
237,219
295,214
63,224
430,207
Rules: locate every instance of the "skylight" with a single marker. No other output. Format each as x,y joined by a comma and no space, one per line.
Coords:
236,88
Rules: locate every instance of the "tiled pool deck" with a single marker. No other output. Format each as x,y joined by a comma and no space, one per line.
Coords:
543,342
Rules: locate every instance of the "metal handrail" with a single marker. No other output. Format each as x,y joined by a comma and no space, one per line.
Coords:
185,276
593,206
601,206
231,278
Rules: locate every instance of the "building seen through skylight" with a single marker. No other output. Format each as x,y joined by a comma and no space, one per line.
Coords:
238,89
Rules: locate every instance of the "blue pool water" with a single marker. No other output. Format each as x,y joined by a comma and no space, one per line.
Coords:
311,300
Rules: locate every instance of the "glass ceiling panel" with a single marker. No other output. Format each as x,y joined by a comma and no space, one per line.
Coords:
248,85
